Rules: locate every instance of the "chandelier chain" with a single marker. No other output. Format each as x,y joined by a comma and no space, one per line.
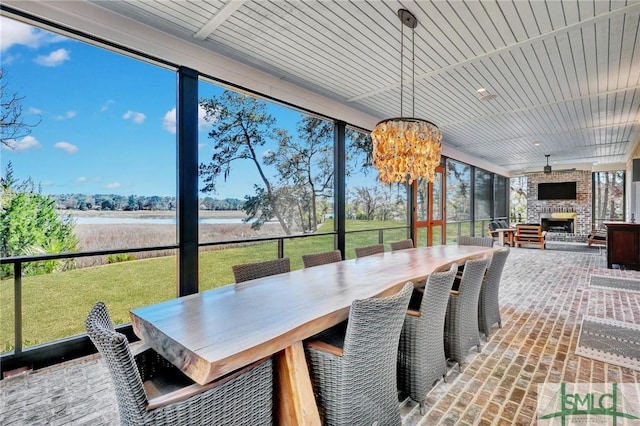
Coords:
413,72
401,68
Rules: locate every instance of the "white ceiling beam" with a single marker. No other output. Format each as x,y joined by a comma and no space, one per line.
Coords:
219,19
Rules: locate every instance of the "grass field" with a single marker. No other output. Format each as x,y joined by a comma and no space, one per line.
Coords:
55,305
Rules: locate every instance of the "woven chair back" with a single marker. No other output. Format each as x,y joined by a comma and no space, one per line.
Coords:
369,250
475,241
114,348
488,305
402,244
252,271
317,259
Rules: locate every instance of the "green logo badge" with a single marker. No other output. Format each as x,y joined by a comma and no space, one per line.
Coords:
615,404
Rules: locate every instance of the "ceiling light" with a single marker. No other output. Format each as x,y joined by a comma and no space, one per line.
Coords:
537,143
406,148
488,97
480,90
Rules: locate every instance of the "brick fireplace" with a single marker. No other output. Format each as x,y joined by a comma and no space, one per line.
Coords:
570,216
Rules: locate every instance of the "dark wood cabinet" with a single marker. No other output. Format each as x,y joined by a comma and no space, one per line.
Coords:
623,244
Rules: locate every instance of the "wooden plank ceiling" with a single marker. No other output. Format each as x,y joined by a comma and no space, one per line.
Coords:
566,74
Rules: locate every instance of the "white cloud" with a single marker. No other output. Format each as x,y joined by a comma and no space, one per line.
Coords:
267,153
113,185
65,116
66,146
35,111
25,143
16,33
106,105
84,179
136,117
202,114
6,59
169,120
53,59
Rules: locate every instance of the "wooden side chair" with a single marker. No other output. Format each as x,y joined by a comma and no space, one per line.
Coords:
402,244
369,250
597,237
151,391
317,259
251,271
530,234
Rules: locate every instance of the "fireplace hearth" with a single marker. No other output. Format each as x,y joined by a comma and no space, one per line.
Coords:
558,225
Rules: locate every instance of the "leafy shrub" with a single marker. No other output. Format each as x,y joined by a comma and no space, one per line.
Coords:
29,225
120,257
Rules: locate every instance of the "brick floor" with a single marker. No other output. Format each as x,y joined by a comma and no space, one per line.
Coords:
544,295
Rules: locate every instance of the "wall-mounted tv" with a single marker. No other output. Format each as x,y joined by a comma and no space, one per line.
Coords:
557,191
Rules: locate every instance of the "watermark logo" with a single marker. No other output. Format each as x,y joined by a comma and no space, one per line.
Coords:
588,404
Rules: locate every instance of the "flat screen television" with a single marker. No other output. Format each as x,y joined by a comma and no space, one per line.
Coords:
557,191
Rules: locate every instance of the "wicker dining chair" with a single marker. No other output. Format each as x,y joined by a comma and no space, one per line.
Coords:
151,391
421,356
402,244
354,375
461,321
465,240
317,259
369,250
488,306
251,271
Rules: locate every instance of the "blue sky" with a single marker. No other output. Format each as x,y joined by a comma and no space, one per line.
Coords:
107,121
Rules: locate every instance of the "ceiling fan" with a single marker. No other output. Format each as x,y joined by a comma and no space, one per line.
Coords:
547,169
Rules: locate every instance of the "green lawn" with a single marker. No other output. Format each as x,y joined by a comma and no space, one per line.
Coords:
55,305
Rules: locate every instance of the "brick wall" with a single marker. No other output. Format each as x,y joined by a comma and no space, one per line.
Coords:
582,205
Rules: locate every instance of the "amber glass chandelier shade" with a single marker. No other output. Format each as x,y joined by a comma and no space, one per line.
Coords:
405,149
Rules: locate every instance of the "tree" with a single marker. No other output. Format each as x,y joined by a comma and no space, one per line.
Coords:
29,225
359,152
12,124
306,163
368,200
241,125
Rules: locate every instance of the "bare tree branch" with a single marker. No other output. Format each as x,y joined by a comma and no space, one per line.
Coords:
12,124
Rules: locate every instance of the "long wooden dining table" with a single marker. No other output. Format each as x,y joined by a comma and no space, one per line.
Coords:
215,332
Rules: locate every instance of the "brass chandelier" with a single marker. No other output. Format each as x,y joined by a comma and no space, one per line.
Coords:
406,148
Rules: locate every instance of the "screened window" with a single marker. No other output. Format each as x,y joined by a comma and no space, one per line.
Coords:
500,196
371,207
518,199
608,197
458,199
482,194
98,148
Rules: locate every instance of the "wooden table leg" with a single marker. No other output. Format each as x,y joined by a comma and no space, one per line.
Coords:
501,237
297,405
